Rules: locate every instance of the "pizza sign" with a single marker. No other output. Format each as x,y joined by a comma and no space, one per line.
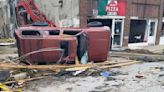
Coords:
112,7
115,8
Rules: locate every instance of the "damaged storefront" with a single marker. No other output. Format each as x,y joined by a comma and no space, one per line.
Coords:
111,14
145,22
132,22
143,32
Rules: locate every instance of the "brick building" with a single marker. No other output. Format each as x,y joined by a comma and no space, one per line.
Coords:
132,22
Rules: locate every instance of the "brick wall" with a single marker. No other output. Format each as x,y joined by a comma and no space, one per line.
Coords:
160,18
83,13
143,9
86,10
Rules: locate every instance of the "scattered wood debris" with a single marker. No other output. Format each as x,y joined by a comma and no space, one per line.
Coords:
20,82
67,67
21,74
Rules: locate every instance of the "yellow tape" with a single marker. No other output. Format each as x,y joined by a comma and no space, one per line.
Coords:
4,88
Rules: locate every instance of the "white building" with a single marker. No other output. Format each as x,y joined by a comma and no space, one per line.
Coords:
65,13
4,17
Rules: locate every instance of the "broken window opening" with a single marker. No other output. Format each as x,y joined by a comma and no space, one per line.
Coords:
31,33
152,29
137,31
82,42
54,32
71,32
117,34
25,18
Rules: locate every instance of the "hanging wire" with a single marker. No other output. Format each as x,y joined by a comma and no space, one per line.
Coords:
42,50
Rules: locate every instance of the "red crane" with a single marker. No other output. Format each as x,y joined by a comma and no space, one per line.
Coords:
28,13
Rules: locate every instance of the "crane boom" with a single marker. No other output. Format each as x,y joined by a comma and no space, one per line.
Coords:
28,13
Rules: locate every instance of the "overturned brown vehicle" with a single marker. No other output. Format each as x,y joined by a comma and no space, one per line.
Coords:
44,45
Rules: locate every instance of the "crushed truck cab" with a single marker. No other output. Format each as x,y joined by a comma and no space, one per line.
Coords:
44,45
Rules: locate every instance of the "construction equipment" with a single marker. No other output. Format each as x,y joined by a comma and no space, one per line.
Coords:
28,13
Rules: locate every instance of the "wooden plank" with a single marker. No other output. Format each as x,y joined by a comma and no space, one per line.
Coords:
103,67
24,80
77,62
53,67
121,64
57,68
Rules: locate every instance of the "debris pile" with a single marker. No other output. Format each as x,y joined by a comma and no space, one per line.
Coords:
16,75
